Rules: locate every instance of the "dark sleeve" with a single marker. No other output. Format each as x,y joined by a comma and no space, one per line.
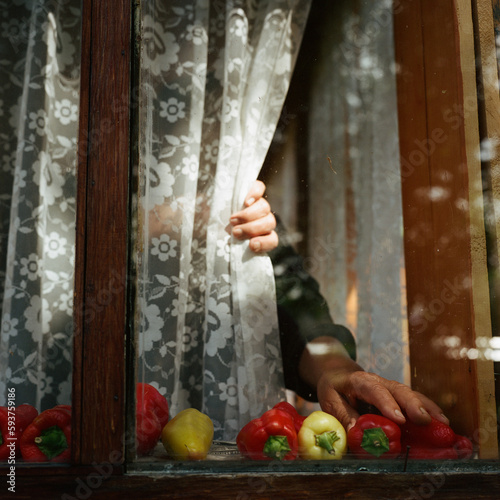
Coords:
303,313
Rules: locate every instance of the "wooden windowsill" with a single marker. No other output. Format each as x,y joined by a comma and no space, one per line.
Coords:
478,480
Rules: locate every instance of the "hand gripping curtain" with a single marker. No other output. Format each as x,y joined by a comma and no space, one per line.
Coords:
213,80
39,94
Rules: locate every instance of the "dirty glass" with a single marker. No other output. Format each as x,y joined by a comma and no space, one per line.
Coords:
379,169
39,108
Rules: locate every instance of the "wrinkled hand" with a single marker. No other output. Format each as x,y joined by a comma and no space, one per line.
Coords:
343,386
256,222
340,391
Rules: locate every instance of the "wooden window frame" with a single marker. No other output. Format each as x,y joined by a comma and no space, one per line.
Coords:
439,109
100,390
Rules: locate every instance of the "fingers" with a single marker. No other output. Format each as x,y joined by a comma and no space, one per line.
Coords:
256,222
393,399
261,233
340,392
256,191
417,407
332,402
426,407
264,243
257,210
261,226
378,392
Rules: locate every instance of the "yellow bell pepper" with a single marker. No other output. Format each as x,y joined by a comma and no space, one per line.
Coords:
322,437
188,436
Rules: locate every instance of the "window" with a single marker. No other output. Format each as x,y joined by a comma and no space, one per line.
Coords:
431,118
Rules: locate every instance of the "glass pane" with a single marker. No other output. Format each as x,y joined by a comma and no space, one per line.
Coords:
39,99
369,223
200,153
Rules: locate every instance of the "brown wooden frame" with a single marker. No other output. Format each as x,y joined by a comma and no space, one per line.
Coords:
439,140
102,232
99,381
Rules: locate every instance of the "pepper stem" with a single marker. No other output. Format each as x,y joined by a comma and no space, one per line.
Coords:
375,441
276,447
326,440
51,442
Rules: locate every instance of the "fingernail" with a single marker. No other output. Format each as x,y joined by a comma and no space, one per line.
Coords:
351,424
250,201
256,246
237,232
234,222
398,414
443,418
423,411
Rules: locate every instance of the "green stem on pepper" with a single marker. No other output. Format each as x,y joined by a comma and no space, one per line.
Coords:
52,442
326,440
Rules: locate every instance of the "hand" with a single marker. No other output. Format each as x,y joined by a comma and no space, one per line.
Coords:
342,384
256,221
339,393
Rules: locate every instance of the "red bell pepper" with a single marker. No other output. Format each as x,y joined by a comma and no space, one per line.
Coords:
298,419
416,452
64,407
20,417
25,414
48,437
435,435
4,433
272,436
147,431
149,399
151,415
464,447
434,441
374,436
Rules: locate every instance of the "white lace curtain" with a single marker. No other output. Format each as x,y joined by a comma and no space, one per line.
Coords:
214,76
39,85
213,79
355,225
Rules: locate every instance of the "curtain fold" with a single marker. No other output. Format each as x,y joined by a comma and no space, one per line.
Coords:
213,80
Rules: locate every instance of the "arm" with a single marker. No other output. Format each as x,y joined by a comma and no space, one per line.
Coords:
325,365
319,355
341,384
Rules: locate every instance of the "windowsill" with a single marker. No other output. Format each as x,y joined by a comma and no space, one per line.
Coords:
204,467
241,479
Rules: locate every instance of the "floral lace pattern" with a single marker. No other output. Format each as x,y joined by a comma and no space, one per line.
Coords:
214,76
39,93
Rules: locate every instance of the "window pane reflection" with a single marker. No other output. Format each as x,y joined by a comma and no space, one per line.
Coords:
39,107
